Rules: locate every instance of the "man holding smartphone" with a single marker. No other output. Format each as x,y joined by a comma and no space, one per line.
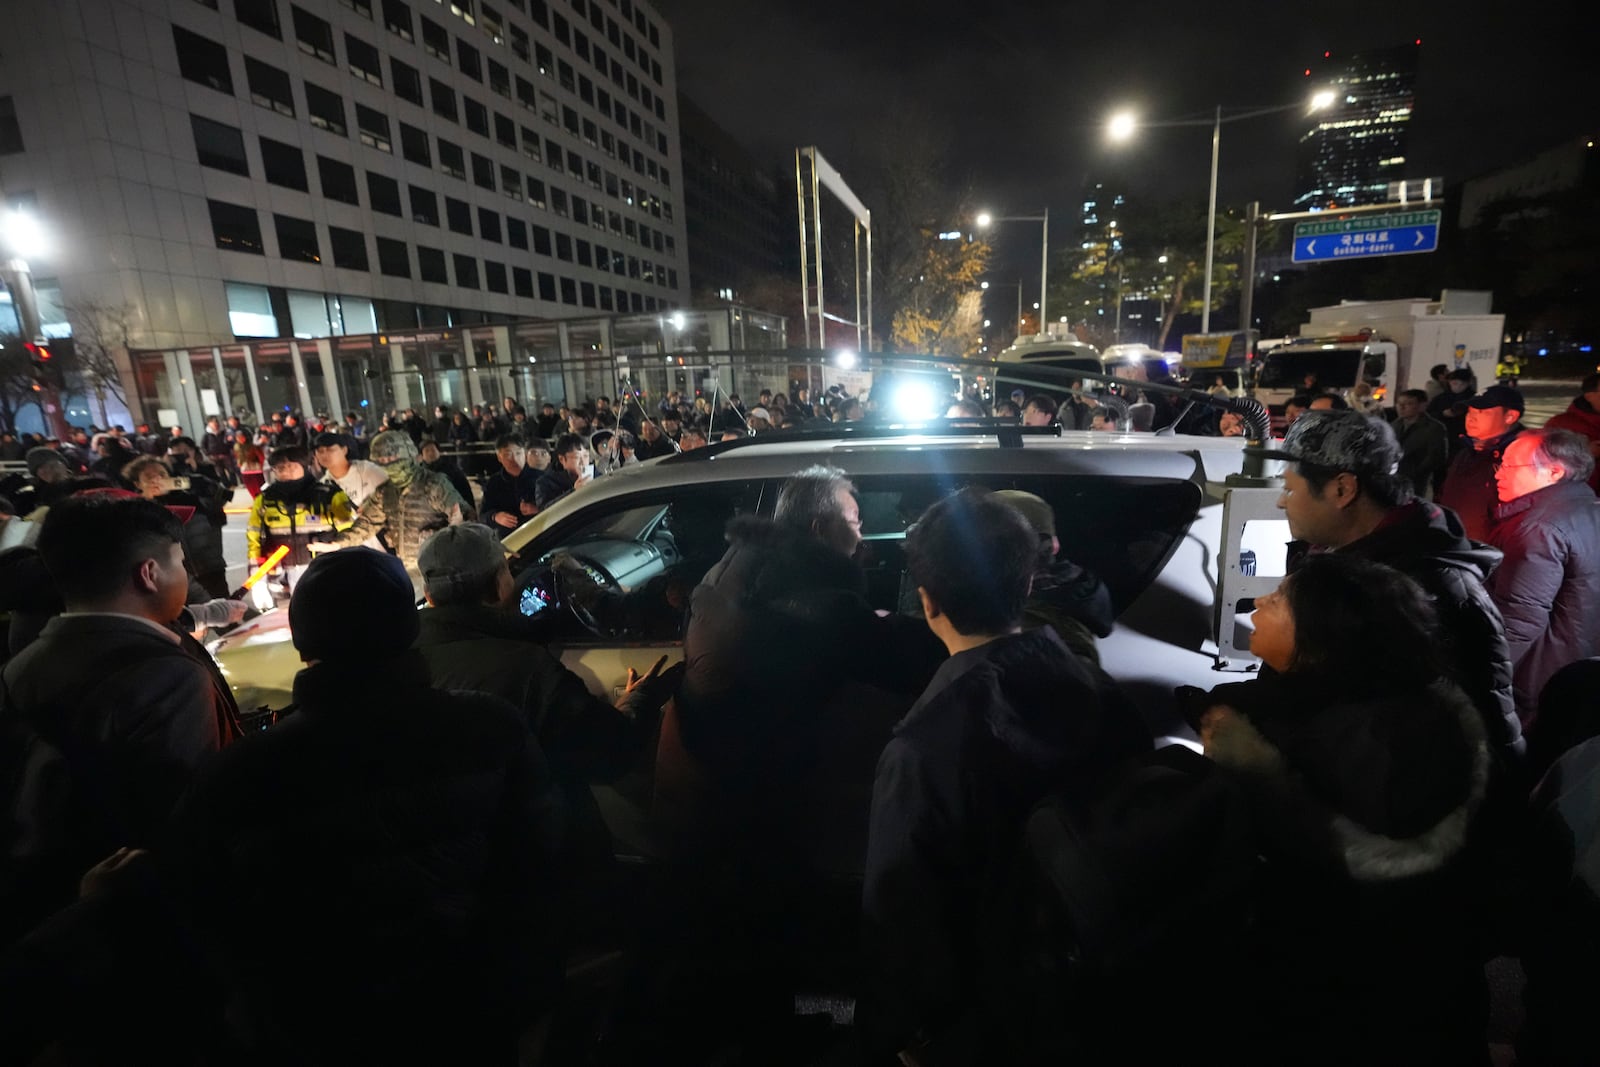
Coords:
572,469
509,496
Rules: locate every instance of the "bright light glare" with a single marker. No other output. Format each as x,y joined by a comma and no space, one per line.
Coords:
1161,259
677,320
845,359
1121,126
914,401
984,218
1321,100
22,235
983,285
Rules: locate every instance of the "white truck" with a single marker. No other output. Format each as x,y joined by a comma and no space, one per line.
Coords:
1371,350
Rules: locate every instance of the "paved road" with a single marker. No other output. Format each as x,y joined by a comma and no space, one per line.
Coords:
1545,399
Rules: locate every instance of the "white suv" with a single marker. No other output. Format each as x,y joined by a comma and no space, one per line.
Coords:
1143,512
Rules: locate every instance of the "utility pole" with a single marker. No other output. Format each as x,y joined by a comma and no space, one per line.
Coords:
19,280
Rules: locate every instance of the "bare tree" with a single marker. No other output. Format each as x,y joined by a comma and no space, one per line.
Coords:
99,330
17,385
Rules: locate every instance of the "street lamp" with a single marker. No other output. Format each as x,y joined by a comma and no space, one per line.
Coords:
22,237
1122,126
985,220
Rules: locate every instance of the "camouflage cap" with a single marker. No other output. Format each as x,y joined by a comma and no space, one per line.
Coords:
1338,441
392,445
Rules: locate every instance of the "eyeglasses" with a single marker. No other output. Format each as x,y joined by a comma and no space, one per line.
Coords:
1501,465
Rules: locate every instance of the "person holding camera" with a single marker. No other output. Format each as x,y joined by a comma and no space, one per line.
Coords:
202,539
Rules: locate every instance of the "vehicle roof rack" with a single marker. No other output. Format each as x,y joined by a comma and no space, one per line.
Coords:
1009,433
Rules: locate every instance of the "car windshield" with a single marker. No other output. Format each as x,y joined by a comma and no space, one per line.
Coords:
1335,369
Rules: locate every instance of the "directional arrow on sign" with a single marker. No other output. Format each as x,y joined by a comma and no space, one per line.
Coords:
1421,236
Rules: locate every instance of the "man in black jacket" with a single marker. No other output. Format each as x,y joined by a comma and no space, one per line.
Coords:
375,876
1343,492
572,469
133,706
1548,588
1493,421
1011,717
509,494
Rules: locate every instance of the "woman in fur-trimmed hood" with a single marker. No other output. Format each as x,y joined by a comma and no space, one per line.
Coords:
1365,769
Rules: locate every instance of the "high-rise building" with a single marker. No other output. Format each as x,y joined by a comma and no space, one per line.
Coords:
316,168
737,230
1356,146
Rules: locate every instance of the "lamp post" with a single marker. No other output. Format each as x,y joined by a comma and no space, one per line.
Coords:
1123,125
22,237
985,219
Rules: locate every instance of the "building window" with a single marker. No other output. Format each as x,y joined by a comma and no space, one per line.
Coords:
586,289
349,248
444,99
430,265
522,281
499,79
235,228
553,153
585,254
216,145
414,145
558,201
602,258
338,181
250,311
541,241
516,233
511,182
284,164
505,131
468,61
466,271
530,144
605,298
488,225
494,276
482,172
435,41
563,247
452,160
458,215
314,35
11,130
325,109
383,194
544,59
373,128
269,87
580,211
365,61
535,192
547,287
360,7
407,81
424,205
297,239
259,15
393,260
202,60
397,18
477,116
519,43
569,291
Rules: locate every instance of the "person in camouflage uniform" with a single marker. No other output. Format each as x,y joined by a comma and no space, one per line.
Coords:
410,505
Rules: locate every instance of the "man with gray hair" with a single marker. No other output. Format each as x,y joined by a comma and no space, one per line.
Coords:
793,687
1548,526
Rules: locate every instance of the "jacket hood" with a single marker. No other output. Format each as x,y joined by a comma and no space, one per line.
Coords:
1033,693
1384,789
1425,530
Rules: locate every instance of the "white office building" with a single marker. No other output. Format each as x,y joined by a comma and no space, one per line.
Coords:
212,171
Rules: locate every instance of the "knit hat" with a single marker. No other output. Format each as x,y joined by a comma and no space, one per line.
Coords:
351,604
37,457
1338,441
458,559
1035,509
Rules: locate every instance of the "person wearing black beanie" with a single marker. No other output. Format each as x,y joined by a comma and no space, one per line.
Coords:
395,847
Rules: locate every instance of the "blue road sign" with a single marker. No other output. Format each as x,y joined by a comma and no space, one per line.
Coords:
1396,234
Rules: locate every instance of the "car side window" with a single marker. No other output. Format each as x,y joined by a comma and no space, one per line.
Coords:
647,553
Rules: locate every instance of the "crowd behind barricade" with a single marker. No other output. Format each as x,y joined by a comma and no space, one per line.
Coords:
411,863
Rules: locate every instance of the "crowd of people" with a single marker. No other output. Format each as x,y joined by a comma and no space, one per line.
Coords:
411,862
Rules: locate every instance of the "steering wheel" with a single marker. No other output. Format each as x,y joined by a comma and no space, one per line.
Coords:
580,587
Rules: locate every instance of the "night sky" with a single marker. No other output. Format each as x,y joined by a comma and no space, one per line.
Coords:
1021,89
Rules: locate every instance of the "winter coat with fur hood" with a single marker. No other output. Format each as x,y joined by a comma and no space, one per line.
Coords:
1361,947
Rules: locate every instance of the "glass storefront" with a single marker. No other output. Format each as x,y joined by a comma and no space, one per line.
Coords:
696,353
